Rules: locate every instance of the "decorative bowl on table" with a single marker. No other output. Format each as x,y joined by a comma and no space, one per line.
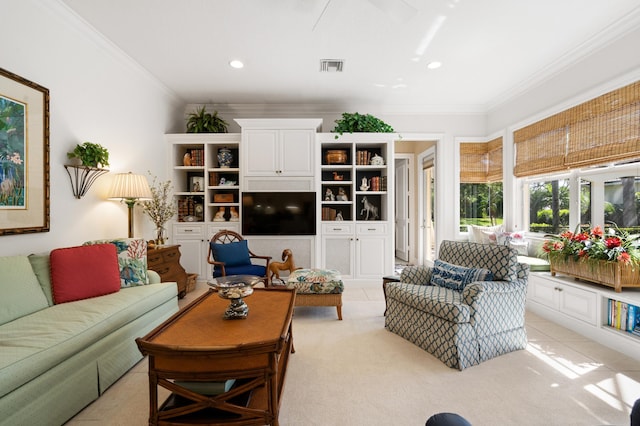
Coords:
235,288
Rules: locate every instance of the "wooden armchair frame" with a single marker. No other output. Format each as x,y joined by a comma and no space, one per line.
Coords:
226,236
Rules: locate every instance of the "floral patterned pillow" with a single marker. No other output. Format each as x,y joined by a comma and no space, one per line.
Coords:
132,260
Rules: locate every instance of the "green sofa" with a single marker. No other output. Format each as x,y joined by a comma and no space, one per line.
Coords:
55,359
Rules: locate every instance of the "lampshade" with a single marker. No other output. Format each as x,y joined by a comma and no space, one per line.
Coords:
129,186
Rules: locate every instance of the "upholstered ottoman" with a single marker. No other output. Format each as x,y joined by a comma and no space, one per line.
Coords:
317,287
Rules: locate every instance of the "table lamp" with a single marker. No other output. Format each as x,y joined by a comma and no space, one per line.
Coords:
129,188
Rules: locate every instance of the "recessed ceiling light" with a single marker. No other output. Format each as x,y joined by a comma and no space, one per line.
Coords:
434,65
236,64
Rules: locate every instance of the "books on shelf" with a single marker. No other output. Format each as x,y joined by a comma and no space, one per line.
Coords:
623,316
197,157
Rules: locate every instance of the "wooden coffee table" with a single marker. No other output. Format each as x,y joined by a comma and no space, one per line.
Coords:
196,350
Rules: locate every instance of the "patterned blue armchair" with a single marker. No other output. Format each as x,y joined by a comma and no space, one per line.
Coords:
465,310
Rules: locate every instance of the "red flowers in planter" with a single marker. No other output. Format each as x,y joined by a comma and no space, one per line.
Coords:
616,246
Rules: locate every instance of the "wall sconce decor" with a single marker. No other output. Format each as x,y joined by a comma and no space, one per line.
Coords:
129,188
82,177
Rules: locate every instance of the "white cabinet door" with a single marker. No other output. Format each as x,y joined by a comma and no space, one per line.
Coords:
279,152
296,152
261,152
370,256
192,248
337,253
578,303
575,302
543,291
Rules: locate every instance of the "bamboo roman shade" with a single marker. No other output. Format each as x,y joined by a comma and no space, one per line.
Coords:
600,131
481,162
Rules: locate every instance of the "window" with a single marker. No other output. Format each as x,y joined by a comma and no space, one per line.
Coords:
549,206
480,204
606,195
480,183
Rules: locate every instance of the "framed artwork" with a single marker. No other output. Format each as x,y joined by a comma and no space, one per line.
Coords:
24,155
196,184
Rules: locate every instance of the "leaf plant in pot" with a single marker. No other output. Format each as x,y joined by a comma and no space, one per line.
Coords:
359,123
204,122
90,154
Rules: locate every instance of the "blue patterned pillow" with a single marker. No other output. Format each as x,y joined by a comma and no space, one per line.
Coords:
457,277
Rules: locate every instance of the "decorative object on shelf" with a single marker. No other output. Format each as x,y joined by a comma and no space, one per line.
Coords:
611,259
235,288
342,195
336,156
130,188
204,122
339,216
328,195
369,211
287,264
228,183
24,134
90,154
199,210
336,176
161,207
235,217
223,181
356,123
376,160
219,216
223,198
186,159
364,185
225,158
197,184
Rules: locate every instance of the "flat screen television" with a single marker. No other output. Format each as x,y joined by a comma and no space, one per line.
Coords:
278,213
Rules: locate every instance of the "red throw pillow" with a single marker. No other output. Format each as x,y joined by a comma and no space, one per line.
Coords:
82,272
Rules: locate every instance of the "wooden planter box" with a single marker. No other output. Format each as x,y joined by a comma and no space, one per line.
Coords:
612,274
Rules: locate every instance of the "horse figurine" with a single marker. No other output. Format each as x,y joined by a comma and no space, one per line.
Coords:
370,210
285,265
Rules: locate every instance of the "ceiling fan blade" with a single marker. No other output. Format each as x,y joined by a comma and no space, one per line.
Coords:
398,10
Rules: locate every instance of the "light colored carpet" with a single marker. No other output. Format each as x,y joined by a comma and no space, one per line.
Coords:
354,372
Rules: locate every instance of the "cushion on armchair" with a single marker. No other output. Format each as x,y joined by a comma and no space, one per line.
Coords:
232,254
457,277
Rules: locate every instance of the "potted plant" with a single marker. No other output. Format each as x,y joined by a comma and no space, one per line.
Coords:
359,123
204,122
90,154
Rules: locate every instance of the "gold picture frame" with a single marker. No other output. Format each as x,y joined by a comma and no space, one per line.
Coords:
24,155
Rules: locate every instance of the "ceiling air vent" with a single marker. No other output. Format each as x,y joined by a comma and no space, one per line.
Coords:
331,65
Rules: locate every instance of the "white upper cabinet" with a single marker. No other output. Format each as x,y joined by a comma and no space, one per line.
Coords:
279,147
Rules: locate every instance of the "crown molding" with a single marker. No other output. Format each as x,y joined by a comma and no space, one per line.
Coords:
287,110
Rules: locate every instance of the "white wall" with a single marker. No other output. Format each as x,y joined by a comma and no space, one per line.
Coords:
98,95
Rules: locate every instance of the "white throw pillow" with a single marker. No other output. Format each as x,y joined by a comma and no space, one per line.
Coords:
483,234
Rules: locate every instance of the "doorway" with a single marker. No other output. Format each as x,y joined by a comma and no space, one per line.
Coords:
403,201
428,193
415,213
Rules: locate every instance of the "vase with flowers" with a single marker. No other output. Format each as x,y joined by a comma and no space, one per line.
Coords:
610,258
161,208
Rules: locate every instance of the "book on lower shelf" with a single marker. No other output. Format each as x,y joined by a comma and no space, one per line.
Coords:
623,316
